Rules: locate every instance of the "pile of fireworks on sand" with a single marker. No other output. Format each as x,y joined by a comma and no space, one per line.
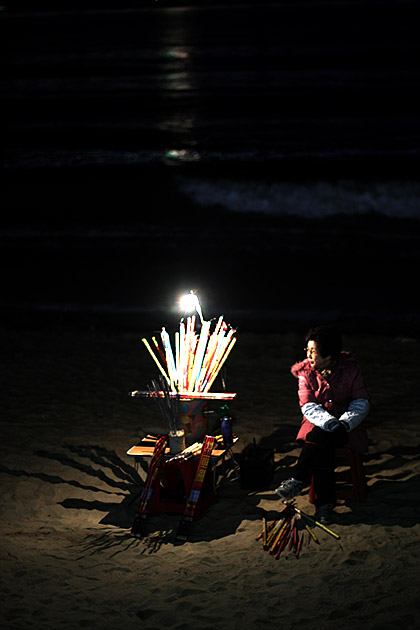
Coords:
285,535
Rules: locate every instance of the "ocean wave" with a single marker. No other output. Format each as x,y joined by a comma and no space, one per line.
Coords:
397,199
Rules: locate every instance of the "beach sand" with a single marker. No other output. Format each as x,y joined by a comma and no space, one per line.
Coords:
69,494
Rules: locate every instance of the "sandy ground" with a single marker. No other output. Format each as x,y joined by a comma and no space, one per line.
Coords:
69,494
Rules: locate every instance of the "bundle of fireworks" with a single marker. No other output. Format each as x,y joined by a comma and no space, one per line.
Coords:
188,365
192,362
285,535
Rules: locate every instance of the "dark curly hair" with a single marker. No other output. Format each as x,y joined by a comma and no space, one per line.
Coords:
327,339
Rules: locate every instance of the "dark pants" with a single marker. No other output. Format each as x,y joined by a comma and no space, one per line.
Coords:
317,459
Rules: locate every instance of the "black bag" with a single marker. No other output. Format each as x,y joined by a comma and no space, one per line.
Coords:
256,467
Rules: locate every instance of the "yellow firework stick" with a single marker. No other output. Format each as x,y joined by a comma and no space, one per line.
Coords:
275,531
269,527
208,357
177,359
199,354
329,531
208,361
169,357
146,343
222,343
314,538
182,357
279,537
162,356
312,521
191,355
225,356
218,325
264,531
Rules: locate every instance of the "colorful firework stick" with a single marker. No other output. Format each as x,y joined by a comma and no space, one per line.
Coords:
203,464
274,531
283,543
155,466
264,531
269,527
152,354
299,545
159,349
312,521
292,538
279,537
311,534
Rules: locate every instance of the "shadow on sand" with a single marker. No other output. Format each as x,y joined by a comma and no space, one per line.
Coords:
392,499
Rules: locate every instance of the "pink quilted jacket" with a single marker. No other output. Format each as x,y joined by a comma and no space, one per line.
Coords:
344,385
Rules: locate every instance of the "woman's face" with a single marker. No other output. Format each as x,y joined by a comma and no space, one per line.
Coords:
315,359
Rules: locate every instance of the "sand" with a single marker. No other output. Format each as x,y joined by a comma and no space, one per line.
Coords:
69,494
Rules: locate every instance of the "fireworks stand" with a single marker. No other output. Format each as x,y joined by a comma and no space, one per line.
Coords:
175,478
182,471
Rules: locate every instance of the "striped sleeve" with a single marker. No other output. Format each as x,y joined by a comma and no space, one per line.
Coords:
356,413
318,416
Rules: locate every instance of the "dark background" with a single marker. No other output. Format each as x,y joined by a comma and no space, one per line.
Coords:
109,107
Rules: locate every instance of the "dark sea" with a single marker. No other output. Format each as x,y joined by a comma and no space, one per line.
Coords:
265,155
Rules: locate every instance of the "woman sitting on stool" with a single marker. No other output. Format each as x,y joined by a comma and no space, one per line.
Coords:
334,401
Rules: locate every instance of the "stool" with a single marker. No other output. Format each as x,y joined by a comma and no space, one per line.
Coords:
351,483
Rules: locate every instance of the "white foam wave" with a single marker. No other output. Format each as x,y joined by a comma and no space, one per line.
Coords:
397,199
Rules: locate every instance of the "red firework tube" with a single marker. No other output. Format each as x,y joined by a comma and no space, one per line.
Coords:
311,534
282,539
277,538
275,525
269,527
292,537
153,471
295,535
283,543
274,531
187,517
299,545
264,531
159,350
311,520
148,488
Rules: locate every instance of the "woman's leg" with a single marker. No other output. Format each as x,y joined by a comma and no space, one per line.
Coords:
317,459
